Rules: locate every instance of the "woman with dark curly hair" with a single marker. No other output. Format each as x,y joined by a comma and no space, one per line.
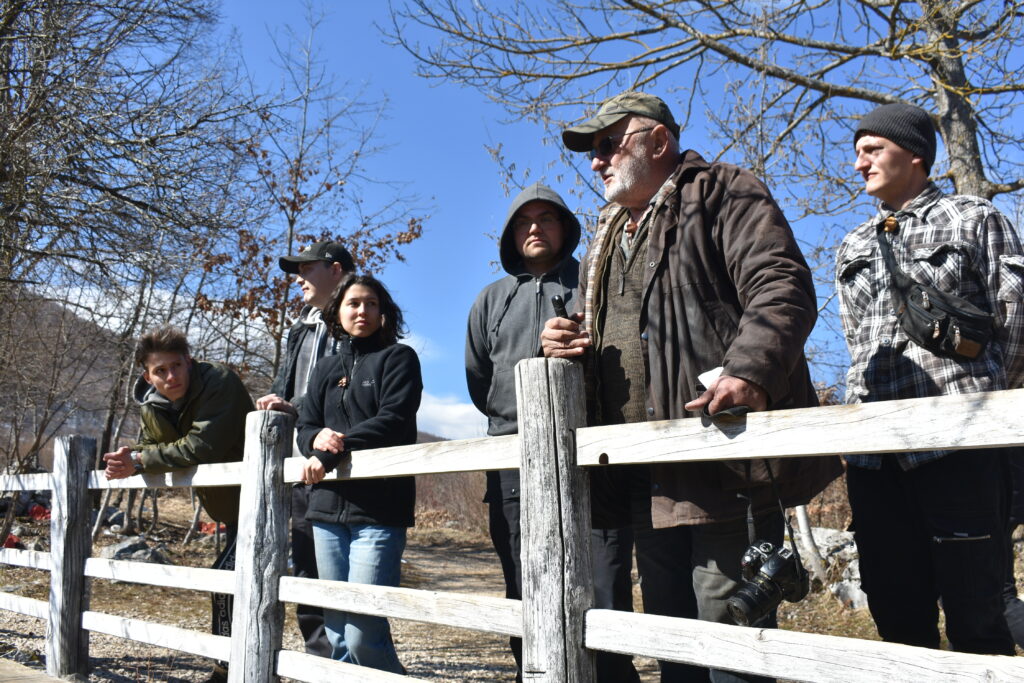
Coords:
364,397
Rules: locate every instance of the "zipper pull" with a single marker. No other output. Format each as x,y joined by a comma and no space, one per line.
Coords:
925,301
935,329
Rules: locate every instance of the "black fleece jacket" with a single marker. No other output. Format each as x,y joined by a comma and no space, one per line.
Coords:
370,393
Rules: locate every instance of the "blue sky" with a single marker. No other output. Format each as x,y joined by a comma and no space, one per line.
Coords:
438,134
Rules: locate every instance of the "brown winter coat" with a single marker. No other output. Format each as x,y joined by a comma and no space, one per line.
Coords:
725,285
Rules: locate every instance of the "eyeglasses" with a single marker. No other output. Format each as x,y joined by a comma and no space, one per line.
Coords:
607,145
546,221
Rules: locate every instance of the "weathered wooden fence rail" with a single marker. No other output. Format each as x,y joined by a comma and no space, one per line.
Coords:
560,630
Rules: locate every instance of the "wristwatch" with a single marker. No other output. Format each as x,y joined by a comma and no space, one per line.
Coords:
137,461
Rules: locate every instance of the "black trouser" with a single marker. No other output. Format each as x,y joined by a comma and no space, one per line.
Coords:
310,618
223,603
1013,607
612,559
934,532
686,571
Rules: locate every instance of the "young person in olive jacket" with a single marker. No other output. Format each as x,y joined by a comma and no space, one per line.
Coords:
193,413
366,396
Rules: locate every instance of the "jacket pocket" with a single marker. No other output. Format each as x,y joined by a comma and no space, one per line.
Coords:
739,474
501,398
712,324
1011,279
325,503
855,277
947,266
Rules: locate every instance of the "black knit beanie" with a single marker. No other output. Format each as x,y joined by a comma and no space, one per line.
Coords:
908,126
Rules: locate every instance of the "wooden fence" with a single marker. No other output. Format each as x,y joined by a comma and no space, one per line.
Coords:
560,630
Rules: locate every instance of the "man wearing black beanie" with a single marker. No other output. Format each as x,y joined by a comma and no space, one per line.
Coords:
929,525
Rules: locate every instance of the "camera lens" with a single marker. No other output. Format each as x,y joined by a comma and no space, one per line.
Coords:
740,608
753,601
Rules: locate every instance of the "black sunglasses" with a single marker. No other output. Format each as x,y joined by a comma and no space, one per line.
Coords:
607,145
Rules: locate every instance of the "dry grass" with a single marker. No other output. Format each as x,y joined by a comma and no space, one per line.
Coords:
447,551
453,501
831,507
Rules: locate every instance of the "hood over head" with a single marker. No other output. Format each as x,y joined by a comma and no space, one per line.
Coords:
511,259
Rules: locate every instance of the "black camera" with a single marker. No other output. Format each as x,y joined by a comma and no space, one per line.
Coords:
769,575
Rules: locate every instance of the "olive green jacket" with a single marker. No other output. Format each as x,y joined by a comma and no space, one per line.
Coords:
209,428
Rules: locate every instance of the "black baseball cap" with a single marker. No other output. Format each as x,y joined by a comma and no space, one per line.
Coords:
331,252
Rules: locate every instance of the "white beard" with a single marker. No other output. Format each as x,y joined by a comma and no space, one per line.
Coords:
626,178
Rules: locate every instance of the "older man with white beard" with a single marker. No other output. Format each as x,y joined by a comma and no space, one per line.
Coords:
693,268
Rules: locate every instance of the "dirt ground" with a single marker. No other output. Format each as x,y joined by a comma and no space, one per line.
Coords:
436,558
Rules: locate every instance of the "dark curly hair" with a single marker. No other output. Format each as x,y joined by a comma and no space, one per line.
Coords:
169,339
392,327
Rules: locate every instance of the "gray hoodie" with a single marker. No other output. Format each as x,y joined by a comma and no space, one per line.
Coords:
508,315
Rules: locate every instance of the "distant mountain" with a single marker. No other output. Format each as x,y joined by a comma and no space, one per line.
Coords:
426,437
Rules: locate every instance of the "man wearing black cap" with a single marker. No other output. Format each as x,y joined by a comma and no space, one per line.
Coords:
929,525
317,270
693,269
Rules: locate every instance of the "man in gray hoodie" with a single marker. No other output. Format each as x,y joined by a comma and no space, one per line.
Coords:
536,246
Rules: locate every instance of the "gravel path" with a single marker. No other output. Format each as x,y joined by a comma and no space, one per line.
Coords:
437,560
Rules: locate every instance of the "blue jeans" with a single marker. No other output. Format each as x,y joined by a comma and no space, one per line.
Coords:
360,553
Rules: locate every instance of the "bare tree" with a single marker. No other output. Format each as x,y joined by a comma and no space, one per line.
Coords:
310,145
58,379
142,180
113,123
779,84
823,60
121,135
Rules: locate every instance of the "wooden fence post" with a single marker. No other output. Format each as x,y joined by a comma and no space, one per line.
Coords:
557,573
67,645
261,553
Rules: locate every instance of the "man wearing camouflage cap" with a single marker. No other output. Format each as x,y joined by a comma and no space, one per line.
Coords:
693,268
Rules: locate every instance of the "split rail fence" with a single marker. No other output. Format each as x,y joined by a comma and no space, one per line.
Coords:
559,627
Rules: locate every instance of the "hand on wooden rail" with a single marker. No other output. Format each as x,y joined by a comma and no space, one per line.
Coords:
119,463
313,471
275,402
726,392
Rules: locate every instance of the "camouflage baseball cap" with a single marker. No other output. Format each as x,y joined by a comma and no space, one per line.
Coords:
581,138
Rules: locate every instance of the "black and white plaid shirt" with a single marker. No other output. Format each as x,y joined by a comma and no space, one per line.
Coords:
958,244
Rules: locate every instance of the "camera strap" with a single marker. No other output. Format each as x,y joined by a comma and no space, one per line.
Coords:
752,531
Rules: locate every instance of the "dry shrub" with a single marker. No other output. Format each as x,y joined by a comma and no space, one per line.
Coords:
831,507
451,501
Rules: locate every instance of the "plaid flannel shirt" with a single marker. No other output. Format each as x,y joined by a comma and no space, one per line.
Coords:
958,244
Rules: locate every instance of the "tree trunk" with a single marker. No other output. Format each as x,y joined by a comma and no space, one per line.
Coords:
957,123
